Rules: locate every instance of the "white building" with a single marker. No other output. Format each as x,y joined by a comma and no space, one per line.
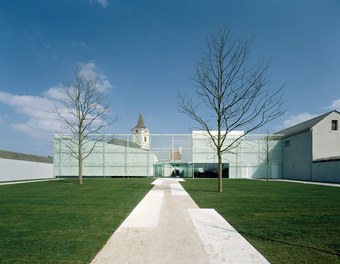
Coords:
191,155
247,159
312,149
18,166
307,151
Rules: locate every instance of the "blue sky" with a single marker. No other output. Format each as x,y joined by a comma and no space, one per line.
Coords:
144,52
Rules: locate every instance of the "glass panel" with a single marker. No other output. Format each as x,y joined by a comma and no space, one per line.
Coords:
190,155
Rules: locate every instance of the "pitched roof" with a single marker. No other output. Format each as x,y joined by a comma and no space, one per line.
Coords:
123,143
26,157
140,123
304,126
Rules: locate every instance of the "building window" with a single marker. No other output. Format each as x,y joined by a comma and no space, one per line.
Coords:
334,124
287,143
144,139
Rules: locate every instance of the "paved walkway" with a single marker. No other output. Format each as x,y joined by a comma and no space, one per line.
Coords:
168,227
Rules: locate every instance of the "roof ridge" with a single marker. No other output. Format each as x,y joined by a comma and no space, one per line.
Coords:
304,126
5,154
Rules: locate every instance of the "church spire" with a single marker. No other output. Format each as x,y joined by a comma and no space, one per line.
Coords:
140,123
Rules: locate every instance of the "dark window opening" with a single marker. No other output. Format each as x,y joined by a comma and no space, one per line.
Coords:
210,170
287,143
334,124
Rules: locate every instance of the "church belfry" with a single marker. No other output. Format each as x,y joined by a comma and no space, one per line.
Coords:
140,134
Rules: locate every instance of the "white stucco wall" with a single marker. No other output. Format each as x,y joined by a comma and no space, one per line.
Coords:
14,170
141,136
326,142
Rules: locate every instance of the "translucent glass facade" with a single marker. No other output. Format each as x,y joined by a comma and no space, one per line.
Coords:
189,155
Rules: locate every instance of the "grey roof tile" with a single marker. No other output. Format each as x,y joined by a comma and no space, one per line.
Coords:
26,157
304,126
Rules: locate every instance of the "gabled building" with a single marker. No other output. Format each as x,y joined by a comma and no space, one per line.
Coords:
312,149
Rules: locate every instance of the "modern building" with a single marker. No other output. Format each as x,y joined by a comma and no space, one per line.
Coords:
191,155
312,149
308,151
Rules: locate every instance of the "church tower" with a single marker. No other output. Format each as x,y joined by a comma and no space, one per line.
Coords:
140,134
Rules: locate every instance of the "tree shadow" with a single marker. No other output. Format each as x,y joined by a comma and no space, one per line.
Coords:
246,234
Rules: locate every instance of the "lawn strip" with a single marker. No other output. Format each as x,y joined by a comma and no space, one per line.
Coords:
286,222
62,221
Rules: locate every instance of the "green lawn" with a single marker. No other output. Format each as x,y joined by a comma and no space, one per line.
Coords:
61,221
286,222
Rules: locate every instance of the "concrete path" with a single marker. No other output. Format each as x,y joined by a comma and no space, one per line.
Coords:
168,227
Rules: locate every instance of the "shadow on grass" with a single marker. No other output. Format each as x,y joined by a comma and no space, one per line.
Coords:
290,237
246,234
250,235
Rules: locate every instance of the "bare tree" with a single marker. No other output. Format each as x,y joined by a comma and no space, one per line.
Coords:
84,113
266,153
236,94
268,142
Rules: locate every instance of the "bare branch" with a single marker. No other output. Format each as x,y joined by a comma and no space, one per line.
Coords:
237,93
84,113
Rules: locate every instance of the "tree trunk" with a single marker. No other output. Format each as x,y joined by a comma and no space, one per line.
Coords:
267,169
80,171
80,165
220,172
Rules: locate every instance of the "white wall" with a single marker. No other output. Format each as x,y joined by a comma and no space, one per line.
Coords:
326,141
13,170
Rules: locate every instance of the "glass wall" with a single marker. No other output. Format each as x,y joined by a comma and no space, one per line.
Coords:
190,155
210,170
